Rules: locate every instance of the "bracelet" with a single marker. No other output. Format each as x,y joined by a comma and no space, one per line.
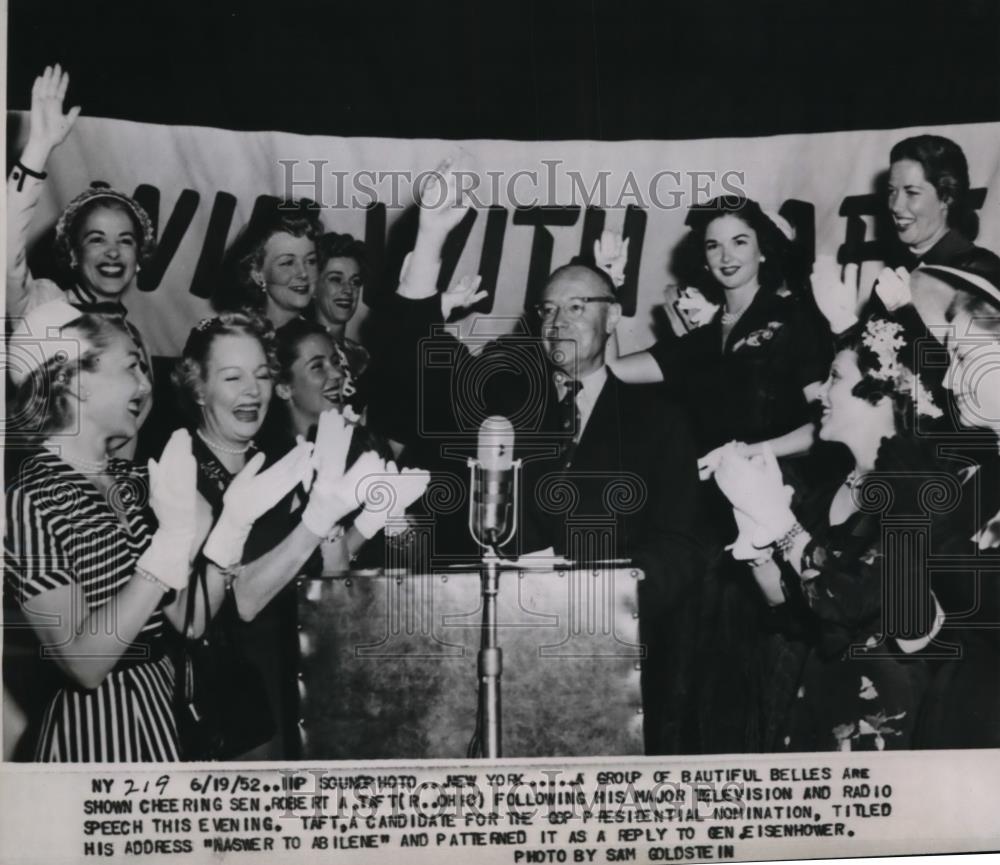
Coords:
38,175
152,578
784,544
766,557
25,173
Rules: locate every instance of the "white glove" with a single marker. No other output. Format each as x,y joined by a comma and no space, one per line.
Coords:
334,495
173,487
250,496
611,255
836,293
696,307
708,464
755,486
387,496
333,441
893,288
749,534
742,548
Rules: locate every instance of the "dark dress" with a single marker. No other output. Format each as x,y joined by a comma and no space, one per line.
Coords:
270,641
952,250
750,390
60,530
962,705
858,689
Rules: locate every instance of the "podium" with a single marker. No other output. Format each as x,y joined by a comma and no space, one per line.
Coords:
387,663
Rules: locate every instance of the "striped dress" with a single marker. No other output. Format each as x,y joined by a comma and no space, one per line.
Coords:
61,530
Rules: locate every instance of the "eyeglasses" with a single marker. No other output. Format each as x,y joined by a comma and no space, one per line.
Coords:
572,309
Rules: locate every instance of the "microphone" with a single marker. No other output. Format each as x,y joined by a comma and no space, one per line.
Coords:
494,474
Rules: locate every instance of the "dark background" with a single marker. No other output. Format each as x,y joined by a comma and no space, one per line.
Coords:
519,69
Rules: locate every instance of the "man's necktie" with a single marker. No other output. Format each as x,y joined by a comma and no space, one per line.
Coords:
569,416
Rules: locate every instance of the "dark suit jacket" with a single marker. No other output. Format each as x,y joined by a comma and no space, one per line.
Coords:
629,490
631,484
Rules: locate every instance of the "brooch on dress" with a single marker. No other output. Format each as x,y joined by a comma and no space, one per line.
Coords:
757,338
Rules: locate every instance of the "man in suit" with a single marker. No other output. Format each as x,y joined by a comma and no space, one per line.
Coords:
610,470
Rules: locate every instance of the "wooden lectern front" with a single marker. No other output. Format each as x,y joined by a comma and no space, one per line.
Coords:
387,663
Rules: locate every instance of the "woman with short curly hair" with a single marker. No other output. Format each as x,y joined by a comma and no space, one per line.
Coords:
271,267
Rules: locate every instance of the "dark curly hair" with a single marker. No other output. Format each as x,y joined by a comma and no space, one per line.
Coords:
334,245
237,290
774,246
189,373
947,170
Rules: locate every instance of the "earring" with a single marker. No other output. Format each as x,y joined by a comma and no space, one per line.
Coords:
138,268
763,258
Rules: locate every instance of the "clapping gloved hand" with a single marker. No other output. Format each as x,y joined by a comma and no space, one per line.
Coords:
893,288
755,486
748,535
173,486
386,497
836,292
251,494
333,494
710,461
611,255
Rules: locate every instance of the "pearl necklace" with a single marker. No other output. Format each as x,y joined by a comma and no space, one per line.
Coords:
86,466
222,449
730,318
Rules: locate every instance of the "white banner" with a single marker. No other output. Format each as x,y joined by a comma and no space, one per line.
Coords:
203,184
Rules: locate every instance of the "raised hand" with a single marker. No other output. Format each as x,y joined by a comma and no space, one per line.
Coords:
442,203
893,288
48,125
172,492
611,254
387,496
461,295
696,308
836,292
442,206
251,494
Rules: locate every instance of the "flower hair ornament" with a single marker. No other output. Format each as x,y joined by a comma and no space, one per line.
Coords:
347,387
885,339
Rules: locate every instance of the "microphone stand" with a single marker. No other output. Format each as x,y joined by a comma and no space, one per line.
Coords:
490,657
